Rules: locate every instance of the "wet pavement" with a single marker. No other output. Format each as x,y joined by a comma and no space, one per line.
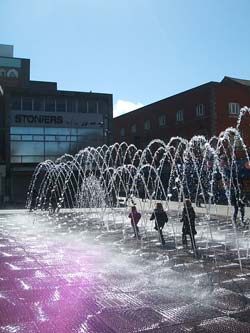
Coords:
57,275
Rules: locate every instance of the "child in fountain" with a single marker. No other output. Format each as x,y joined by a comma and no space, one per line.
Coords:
239,202
160,217
188,228
135,218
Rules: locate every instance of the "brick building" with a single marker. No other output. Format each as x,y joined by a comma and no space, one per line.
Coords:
40,122
204,110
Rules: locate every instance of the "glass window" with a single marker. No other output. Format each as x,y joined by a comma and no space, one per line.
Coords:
15,159
2,72
26,130
60,131
200,110
133,128
38,104
61,138
50,138
26,137
72,131
27,103
57,148
16,103
82,106
102,107
51,157
32,159
71,105
50,104
147,124
12,73
60,105
122,132
179,116
92,107
16,137
234,108
10,62
26,148
38,137
162,120
73,138
89,131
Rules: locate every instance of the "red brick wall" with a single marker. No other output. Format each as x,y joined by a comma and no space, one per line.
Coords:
212,123
185,101
237,93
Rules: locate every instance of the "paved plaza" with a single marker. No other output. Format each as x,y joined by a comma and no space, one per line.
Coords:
68,273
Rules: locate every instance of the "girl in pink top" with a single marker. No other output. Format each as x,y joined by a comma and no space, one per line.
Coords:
135,218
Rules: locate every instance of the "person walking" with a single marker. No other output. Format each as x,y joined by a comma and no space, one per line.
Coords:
188,227
135,218
160,217
239,202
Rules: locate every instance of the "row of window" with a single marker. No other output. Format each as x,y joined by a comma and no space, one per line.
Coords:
233,109
33,152
162,119
55,138
10,73
55,134
53,131
32,159
58,104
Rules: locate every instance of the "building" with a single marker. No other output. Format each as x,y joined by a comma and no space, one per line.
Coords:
40,122
204,110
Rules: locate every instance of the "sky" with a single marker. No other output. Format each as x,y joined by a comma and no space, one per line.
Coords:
141,51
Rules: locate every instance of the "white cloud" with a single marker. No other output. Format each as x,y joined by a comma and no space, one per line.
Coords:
122,107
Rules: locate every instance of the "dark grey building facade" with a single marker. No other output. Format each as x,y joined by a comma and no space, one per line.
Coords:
39,122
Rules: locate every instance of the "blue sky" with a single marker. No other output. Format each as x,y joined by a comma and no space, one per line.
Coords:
141,51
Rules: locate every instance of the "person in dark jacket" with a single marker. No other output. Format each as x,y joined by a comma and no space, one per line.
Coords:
160,217
135,218
239,202
53,203
188,219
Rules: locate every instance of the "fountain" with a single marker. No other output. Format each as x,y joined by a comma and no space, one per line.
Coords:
97,183
72,265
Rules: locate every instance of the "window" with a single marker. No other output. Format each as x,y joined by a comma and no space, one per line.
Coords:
71,105
122,132
38,104
179,116
162,120
102,107
27,138
147,125
200,110
2,72
10,62
26,130
133,129
234,108
27,103
15,138
60,105
92,107
13,73
32,144
50,104
82,106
